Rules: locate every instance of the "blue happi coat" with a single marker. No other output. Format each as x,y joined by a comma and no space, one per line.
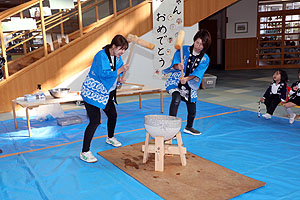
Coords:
100,81
173,81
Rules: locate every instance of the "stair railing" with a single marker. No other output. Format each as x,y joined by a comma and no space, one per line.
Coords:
22,42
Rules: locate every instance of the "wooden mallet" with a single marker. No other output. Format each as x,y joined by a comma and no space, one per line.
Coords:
136,40
178,45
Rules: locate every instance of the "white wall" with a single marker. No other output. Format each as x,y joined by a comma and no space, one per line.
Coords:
242,11
141,67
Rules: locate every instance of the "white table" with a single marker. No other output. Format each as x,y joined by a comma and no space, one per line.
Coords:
75,96
72,96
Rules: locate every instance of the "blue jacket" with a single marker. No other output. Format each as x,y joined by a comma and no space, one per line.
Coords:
100,81
195,83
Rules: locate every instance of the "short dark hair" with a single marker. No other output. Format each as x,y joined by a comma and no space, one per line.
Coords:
284,76
299,71
204,35
120,41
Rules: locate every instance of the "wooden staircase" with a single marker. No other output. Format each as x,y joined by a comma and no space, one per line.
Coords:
78,54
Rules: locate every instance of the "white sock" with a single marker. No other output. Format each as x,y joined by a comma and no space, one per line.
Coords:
290,111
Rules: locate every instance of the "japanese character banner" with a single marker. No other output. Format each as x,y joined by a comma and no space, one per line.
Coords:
167,22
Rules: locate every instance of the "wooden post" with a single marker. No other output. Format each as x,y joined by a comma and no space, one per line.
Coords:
97,12
80,17
28,121
115,7
3,51
43,29
140,99
181,150
130,3
61,25
159,153
24,44
146,153
14,113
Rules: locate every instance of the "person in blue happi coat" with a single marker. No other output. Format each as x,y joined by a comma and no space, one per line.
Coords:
99,92
194,64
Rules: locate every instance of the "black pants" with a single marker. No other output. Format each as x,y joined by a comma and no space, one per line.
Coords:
94,116
191,107
272,102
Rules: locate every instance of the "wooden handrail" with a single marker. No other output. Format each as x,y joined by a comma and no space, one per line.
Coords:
45,24
12,11
50,20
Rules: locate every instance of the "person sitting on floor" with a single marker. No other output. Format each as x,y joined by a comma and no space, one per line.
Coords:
275,93
294,99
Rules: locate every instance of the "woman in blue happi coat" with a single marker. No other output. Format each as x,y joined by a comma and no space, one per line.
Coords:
99,92
195,63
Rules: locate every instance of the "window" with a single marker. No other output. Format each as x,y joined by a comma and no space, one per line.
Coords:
278,33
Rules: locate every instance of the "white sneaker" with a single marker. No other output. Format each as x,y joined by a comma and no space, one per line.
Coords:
267,116
292,119
88,157
113,141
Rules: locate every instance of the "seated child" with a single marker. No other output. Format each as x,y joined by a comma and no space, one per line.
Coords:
275,93
294,99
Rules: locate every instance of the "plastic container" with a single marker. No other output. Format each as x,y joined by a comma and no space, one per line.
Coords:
40,94
209,81
30,97
64,121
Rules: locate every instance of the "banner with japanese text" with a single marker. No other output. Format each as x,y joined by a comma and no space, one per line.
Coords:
167,22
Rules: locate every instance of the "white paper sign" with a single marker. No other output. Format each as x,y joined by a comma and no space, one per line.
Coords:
17,24
61,4
167,22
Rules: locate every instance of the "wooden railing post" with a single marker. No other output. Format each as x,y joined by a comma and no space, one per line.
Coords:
61,25
24,44
3,51
115,7
97,11
43,29
80,17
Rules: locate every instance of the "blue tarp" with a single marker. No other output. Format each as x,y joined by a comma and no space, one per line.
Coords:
266,150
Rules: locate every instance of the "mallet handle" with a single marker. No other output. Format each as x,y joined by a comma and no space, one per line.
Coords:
181,58
129,57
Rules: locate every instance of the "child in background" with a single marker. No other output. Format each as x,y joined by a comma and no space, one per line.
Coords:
294,99
275,93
